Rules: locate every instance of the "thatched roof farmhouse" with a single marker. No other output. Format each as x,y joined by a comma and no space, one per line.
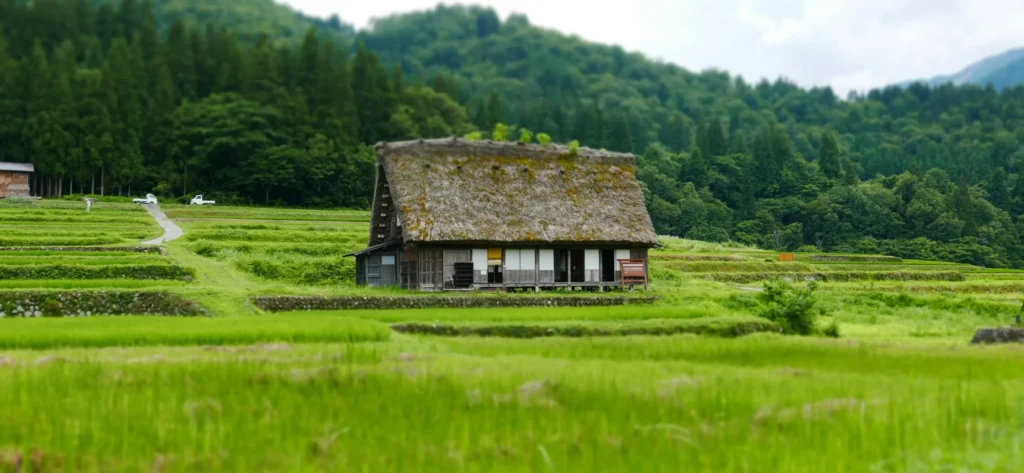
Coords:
454,214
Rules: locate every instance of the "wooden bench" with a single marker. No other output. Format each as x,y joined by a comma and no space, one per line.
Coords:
634,271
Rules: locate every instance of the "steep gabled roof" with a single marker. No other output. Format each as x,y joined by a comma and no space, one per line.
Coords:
17,167
452,190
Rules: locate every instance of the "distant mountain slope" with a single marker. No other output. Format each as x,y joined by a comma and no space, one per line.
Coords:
1002,71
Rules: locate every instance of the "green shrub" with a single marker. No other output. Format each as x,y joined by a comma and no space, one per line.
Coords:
789,306
162,189
51,308
832,330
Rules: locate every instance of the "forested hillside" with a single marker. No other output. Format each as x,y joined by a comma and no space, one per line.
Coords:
249,19
132,98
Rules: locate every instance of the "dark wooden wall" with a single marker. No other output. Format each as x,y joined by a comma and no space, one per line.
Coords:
384,220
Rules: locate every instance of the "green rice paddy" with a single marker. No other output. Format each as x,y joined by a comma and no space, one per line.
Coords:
626,388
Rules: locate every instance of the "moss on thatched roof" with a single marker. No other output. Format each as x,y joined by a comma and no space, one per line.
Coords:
457,190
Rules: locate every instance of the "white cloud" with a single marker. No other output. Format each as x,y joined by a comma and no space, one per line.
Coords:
843,43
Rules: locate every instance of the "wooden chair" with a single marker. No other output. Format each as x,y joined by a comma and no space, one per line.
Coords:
634,271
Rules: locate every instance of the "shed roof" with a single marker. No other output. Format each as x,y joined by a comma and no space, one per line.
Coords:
380,246
452,190
17,167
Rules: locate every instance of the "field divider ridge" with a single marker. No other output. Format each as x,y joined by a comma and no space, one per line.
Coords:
309,303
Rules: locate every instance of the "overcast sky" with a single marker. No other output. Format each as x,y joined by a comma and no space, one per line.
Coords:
849,44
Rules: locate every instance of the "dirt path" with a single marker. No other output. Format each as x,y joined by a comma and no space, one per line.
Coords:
171,230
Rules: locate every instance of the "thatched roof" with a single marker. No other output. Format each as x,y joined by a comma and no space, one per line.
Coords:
453,190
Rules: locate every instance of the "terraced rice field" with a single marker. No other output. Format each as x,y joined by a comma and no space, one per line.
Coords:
625,388
295,246
47,244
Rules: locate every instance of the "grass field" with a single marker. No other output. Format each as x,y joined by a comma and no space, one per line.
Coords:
501,389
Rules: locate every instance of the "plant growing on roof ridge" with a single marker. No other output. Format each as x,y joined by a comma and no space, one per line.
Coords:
574,147
500,133
525,136
544,139
474,136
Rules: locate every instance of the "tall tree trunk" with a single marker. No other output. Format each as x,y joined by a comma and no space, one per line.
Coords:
129,189
119,191
92,190
103,180
184,180
71,185
60,187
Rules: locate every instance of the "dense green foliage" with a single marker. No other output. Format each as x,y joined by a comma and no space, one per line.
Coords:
108,101
144,98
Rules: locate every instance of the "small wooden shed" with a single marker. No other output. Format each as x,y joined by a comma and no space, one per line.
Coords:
14,179
453,214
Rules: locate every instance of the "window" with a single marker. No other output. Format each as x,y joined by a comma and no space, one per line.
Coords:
512,260
620,255
480,260
592,265
387,260
493,256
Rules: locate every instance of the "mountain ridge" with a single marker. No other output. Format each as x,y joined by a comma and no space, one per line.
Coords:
1001,70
